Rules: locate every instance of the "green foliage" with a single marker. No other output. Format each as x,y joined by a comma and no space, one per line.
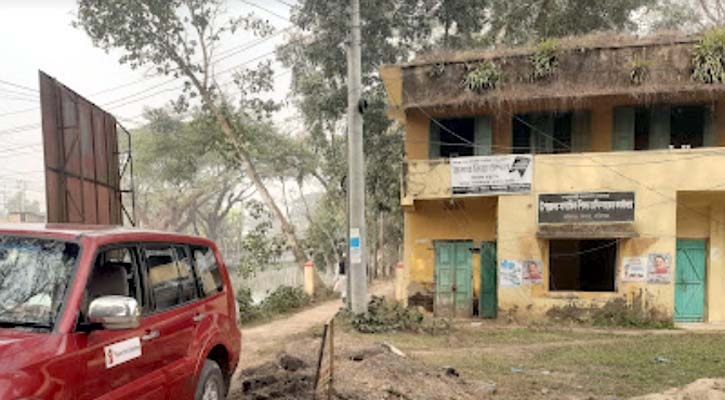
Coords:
617,312
708,57
261,247
524,21
248,311
483,77
283,300
639,72
437,70
544,60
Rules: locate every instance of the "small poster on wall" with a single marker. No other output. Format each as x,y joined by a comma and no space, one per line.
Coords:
658,268
510,274
634,269
533,273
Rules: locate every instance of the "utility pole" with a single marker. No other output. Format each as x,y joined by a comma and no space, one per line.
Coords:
356,169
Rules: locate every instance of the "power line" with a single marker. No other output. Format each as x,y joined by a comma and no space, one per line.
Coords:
18,99
18,86
285,3
268,11
19,111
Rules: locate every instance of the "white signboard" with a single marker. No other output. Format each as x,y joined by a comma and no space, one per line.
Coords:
121,352
511,173
634,269
510,274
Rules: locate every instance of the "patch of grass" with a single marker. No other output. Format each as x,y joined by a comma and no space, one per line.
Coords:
483,77
708,57
566,362
629,368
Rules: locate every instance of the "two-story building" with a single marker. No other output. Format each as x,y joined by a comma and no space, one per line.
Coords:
580,170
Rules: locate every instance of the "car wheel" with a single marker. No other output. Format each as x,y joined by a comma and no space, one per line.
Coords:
211,383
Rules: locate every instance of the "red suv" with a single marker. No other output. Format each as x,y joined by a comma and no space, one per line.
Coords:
113,313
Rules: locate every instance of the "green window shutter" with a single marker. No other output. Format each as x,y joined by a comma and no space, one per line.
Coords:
581,135
709,134
542,133
434,142
623,133
659,127
483,136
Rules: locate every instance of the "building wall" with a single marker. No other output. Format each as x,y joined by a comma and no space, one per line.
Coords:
464,219
661,179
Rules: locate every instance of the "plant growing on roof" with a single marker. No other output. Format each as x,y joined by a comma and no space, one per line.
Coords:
483,77
437,70
544,60
638,71
708,57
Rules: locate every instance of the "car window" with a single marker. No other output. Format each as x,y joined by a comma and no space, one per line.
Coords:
207,270
187,280
170,280
34,274
115,273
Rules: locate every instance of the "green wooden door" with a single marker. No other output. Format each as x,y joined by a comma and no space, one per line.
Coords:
488,298
453,274
690,281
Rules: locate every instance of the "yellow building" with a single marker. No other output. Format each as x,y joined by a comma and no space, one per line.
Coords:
599,176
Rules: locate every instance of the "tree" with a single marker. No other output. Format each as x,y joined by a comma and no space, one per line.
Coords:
527,20
182,183
179,38
19,202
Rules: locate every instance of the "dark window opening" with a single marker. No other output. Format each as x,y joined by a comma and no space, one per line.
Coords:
562,133
542,133
457,137
641,129
521,137
582,265
687,126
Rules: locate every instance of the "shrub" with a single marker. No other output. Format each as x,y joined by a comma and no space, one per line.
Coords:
616,312
437,70
384,316
285,299
708,57
281,301
482,78
248,311
544,60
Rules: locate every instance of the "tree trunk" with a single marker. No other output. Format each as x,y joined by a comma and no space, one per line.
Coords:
381,242
287,229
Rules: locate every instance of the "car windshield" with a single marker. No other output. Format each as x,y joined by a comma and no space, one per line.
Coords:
34,274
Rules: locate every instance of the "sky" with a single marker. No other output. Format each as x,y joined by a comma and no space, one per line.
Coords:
37,35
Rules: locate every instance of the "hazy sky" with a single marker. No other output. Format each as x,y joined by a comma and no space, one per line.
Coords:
37,35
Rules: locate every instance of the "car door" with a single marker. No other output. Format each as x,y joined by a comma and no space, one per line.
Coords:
174,296
118,364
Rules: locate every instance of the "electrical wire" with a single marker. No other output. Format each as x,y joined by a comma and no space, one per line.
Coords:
18,86
268,11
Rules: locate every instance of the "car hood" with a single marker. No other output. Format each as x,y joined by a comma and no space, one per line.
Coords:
23,356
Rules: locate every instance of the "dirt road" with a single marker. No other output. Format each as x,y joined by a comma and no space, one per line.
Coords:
263,342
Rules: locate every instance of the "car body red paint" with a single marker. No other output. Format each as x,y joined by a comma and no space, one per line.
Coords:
67,363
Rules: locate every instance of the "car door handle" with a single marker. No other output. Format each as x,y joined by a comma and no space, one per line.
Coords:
198,317
150,335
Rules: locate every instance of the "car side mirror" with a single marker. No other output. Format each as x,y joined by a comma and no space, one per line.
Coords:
115,312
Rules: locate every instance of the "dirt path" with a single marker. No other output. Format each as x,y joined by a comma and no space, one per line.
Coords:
261,343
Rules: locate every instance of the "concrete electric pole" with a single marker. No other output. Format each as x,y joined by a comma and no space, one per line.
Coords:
356,170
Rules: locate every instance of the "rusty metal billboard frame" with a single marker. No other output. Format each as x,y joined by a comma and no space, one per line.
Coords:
83,174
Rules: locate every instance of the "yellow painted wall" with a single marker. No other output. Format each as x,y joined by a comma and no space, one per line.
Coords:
656,221
659,178
464,219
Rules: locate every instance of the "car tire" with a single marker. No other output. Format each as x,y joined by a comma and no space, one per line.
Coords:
211,383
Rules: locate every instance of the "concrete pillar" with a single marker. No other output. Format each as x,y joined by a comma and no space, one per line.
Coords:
715,277
309,278
401,288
